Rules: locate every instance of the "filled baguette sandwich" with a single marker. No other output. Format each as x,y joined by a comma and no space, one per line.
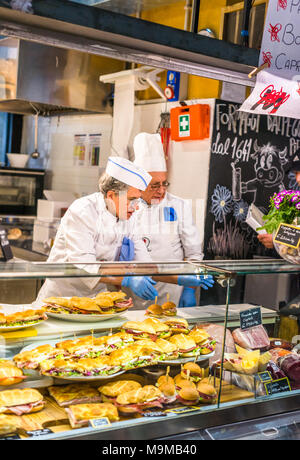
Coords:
23,318
10,374
21,402
203,340
31,359
87,367
161,329
139,330
139,400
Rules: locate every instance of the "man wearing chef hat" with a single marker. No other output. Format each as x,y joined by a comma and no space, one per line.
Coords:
165,221
98,227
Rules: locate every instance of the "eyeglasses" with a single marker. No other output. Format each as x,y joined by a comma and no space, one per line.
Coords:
157,185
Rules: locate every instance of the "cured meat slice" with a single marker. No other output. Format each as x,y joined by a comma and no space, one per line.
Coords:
253,338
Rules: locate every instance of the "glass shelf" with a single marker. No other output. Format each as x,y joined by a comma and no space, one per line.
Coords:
221,268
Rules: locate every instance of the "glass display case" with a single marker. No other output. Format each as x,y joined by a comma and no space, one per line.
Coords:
235,399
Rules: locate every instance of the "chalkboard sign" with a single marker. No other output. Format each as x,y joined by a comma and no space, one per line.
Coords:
288,235
5,246
250,318
249,154
277,386
264,376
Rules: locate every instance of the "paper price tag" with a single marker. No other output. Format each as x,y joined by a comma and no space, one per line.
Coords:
42,432
250,318
99,422
154,414
183,410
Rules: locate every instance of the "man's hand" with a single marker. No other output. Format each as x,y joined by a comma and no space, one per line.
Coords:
266,240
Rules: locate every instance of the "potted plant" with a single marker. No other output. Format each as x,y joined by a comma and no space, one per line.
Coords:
284,208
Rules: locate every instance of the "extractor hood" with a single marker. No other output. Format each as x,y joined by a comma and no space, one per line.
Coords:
49,80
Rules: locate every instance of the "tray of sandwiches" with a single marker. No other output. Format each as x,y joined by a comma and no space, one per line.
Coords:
26,317
104,306
138,344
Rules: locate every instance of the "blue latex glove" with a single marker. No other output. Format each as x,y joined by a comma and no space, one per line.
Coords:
204,281
142,286
188,298
127,250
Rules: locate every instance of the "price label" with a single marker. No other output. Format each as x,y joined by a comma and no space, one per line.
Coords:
277,386
250,318
183,410
99,422
288,235
42,432
10,437
264,376
154,414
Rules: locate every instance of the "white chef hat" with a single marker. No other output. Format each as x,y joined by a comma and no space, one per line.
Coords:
127,172
149,152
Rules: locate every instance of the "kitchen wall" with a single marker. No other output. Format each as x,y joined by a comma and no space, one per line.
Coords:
188,164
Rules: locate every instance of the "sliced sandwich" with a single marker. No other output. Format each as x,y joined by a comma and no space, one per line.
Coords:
139,330
187,347
139,400
84,347
10,374
112,390
80,414
162,330
113,302
178,325
21,402
118,340
191,371
203,340
73,305
31,359
76,393
23,318
207,393
87,367
169,350
136,355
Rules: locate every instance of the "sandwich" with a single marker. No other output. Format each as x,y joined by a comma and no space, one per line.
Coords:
169,350
118,340
10,374
23,318
169,309
136,355
76,393
207,393
181,382
113,302
164,379
75,305
162,330
188,396
21,402
154,311
32,358
139,330
112,390
8,424
178,325
203,340
80,414
167,386
191,371
84,347
87,367
137,401
187,347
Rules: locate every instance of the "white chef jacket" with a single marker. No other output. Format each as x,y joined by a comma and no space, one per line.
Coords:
170,234
89,233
